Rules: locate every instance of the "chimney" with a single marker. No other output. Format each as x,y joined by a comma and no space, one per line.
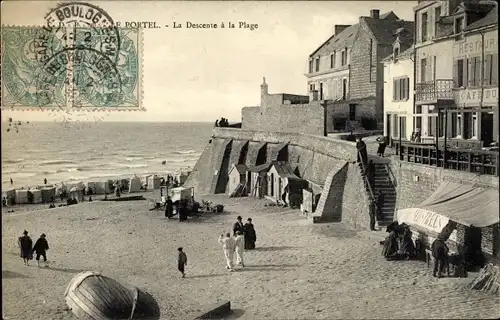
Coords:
340,27
375,13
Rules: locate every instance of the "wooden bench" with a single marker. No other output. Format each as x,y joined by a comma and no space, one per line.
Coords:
429,258
216,310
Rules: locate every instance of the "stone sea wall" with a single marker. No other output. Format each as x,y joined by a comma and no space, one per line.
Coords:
317,157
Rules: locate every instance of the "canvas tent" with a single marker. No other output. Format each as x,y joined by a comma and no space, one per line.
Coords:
10,196
181,193
22,196
101,187
283,181
182,176
135,184
48,194
154,182
36,194
257,179
236,185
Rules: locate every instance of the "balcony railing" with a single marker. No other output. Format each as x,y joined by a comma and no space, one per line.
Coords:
477,161
434,90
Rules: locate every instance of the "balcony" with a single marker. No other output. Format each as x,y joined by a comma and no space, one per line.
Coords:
434,92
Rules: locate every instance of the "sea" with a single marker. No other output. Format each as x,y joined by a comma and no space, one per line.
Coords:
96,151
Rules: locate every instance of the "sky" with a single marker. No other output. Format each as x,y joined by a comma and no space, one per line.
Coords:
204,74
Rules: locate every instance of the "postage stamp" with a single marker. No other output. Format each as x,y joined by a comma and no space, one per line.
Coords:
79,59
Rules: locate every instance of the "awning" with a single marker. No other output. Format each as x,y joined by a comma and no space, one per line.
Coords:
273,149
253,152
463,203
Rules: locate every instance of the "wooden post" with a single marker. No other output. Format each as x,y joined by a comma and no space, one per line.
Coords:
437,139
445,157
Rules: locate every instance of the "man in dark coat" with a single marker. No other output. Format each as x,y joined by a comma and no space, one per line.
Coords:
440,253
169,208
41,247
250,235
26,247
238,226
362,152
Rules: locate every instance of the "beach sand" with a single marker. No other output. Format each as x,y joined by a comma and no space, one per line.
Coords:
299,270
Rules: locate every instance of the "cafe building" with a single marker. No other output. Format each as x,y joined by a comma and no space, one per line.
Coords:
456,63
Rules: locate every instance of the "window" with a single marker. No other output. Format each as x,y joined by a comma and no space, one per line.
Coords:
423,70
344,57
474,124
460,73
311,87
332,60
401,89
344,89
317,64
310,66
424,26
490,76
474,71
396,53
431,124
459,25
437,14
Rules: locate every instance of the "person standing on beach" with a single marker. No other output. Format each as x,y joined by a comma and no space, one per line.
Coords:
239,242
26,247
41,247
45,181
250,235
228,245
182,261
238,226
11,181
169,208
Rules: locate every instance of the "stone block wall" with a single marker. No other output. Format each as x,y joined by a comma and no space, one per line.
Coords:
355,200
297,118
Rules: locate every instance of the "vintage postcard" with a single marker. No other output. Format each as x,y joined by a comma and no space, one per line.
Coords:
250,159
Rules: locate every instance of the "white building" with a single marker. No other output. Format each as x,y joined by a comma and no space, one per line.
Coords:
398,91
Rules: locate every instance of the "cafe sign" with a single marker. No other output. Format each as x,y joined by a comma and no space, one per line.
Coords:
423,218
476,97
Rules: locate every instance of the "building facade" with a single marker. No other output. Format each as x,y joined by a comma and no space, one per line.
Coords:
398,98
347,70
456,72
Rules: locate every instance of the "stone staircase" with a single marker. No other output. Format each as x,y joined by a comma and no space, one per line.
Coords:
382,183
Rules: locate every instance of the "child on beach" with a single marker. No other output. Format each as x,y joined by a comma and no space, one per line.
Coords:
182,261
41,247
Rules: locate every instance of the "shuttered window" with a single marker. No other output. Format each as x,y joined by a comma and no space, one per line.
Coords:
460,72
487,69
401,89
494,70
474,71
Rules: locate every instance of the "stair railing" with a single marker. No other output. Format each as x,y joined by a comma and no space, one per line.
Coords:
367,182
392,176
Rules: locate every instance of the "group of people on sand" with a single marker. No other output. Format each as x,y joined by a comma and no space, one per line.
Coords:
399,245
244,238
28,249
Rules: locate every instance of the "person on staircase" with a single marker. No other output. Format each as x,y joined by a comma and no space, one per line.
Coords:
382,143
380,205
362,152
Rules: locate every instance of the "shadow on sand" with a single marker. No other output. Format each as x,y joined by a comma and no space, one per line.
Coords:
273,248
66,270
6,274
268,267
207,275
235,314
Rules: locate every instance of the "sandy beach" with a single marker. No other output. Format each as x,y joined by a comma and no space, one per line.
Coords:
299,270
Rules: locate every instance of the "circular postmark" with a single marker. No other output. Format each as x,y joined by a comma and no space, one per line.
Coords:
79,24
79,77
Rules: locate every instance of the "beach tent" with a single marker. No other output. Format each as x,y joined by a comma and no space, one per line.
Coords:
48,194
101,187
37,195
22,196
182,176
91,295
154,182
135,184
10,195
181,193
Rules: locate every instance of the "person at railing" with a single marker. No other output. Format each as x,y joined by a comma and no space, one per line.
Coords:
380,203
217,122
370,174
362,152
382,143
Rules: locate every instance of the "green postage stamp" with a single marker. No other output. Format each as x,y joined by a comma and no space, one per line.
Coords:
95,66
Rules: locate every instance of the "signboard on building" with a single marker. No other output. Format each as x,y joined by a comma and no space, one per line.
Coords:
473,45
477,97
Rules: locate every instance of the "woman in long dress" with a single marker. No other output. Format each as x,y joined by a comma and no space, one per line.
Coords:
250,235
407,245
390,245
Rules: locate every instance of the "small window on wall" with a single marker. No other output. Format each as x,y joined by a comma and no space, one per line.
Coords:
317,64
459,25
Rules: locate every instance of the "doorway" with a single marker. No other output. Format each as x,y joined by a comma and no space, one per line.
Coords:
487,128
388,126
352,112
344,89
